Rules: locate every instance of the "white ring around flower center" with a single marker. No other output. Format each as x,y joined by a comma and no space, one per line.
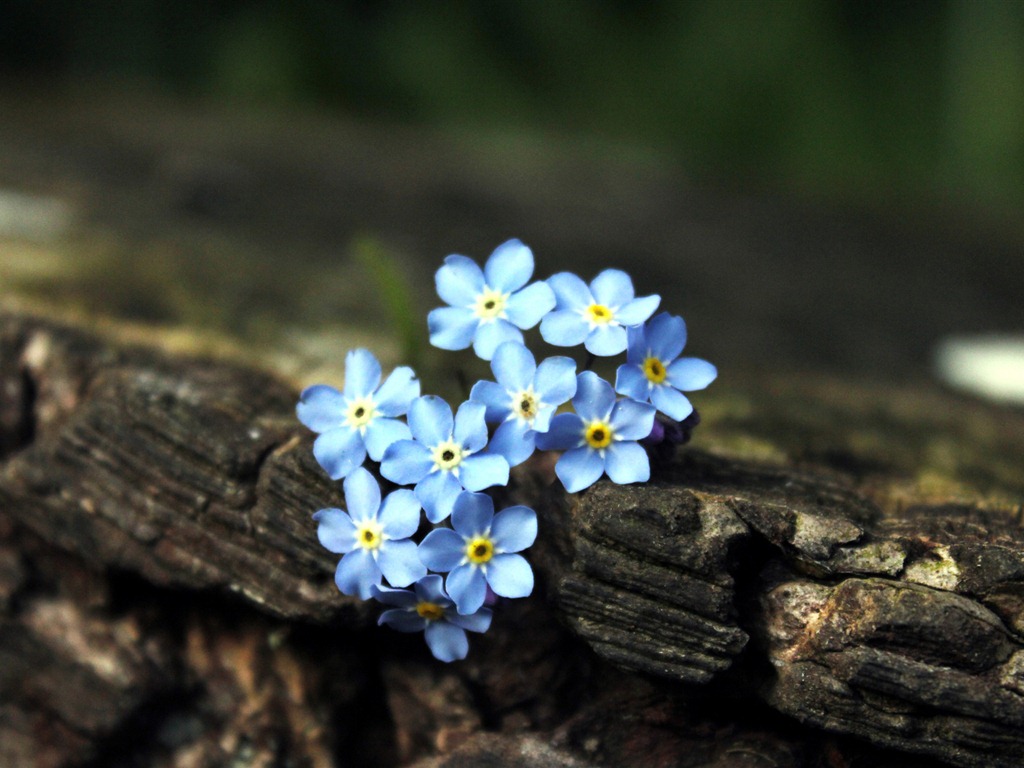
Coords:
490,305
369,535
359,413
448,455
526,404
599,314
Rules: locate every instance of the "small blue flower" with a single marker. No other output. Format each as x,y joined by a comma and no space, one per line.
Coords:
361,419
653,372
444,456
490,306
524,398
600,437
596,315
479,552
374,538
428,609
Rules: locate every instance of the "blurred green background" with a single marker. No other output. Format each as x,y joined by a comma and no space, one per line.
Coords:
864,98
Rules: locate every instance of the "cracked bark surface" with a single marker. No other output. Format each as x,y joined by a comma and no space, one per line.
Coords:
833,576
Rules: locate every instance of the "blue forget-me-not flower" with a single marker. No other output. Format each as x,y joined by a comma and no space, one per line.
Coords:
489,306
444,456
596,315
373,538
479,550
524,398
600,437
427,608
654,371
361,418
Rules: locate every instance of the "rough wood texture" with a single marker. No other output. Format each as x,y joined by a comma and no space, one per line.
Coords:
835,576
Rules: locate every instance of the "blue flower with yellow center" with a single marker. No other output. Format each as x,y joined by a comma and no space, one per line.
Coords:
479,550
489,306
373,537
524,398
596,315
445,455
654,371
361,419
427,608
600,437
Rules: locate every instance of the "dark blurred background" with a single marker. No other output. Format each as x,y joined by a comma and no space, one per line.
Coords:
825,183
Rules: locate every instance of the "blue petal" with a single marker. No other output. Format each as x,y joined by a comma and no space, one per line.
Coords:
638,310
594,397
565,432
564,328
509,267
570,291
632,420
339,451
555,381
397,392
402,598
510,576
452,327
335,530
406,462
459,281
362,373
399,562
671,402
666,336
579,468
441,550
606,340
470,428
474,622
513,366
496,399
403,620
472,514
690,373
483,471
446,641
362,495
321,408
627,463
631,382
636,344
467,587
431,589
542,421
357,573
437,492
525,308
514,440
613,288
430,419
400,514
491,335
514,529
382,433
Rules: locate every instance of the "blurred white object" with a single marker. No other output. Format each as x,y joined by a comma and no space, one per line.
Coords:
989,366
33,217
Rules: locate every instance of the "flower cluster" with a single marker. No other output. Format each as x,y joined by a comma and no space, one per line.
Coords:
442,463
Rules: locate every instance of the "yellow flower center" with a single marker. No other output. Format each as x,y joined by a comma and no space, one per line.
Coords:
360,413
599,314
479,550
654,370
598,435
369,535
490,304
429,611
447,455
525,404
